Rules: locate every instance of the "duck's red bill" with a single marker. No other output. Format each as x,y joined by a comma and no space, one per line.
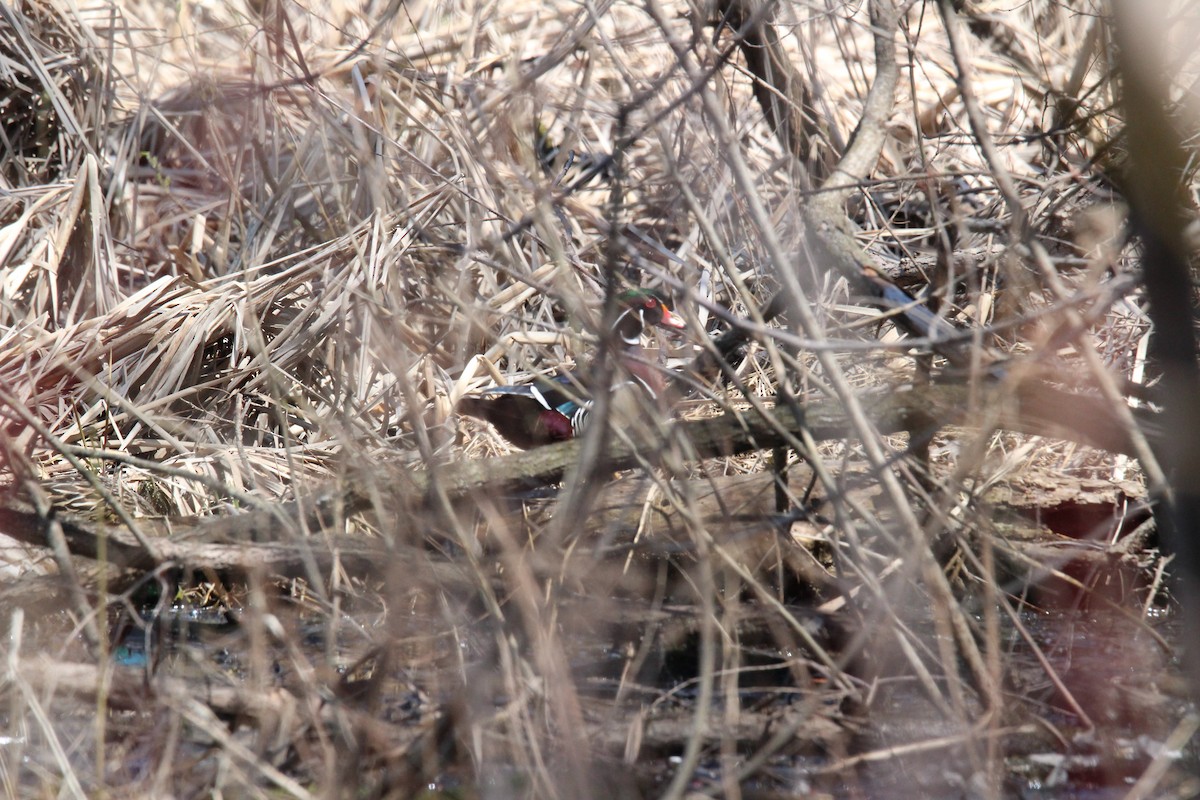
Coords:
670,320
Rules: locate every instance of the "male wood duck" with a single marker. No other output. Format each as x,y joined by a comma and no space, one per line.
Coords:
556,409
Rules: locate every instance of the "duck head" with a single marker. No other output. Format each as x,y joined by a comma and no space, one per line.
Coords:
641,308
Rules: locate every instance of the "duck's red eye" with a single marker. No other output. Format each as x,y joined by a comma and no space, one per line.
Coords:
650,302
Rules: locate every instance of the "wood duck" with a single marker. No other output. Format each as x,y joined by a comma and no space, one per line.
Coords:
555,409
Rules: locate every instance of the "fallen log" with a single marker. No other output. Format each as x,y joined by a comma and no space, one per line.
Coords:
268,539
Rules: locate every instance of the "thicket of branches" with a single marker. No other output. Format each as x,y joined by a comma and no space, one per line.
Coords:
254,255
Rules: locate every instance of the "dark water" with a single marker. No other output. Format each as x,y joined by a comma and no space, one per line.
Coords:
1092,734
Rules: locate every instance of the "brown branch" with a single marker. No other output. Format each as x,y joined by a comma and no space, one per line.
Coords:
832,231
257,541
779,87
279,713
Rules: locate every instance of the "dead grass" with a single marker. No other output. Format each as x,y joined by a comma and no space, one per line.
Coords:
252,249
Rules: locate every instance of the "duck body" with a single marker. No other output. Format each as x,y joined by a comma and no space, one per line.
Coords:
532,414
555,409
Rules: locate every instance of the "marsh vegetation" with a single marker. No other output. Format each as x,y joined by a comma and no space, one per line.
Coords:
894,538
